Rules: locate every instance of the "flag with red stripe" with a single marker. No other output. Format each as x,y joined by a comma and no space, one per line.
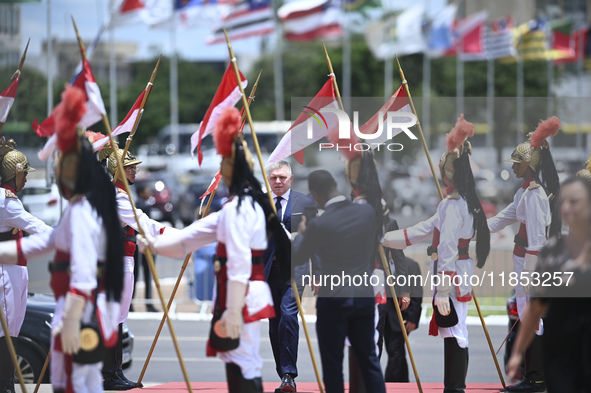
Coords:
126,124
298,136
95,108
7,99
397,103
226,96
306,20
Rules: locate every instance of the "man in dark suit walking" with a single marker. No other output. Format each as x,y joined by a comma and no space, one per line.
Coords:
284,328
344,239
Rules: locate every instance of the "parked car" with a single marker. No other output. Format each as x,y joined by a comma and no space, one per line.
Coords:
41,201
199,185
33,342
170,200
513,328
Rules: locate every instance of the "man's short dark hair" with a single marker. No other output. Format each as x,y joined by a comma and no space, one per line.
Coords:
321,182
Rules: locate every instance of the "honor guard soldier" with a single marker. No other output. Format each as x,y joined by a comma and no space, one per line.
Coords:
14,219
86,273
533,207
458,219
242,296
114,379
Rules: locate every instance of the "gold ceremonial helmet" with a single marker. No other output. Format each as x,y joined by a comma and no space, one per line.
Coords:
108,152
13,163
66,166
525,155
529,153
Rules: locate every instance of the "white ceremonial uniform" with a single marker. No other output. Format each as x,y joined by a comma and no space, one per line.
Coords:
151,227
80,238
14,279
243,231
453,225
531,208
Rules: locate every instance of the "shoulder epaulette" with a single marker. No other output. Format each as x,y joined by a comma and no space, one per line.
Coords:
533,185
120,190
10,194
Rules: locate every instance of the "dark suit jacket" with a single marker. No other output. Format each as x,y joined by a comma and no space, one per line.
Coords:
295,204
413,312
344,239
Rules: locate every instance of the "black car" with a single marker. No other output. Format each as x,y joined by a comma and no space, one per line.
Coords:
32,344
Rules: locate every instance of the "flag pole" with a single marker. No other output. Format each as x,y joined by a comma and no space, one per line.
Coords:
141,232
383,258
12,351
406,88
184,267
264,172
147,91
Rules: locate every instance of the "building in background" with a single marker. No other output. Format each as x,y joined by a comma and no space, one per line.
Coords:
10,34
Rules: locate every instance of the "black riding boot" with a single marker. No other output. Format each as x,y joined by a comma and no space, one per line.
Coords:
112,367
533,380
455,366
356,384
237,383
120,368
6,368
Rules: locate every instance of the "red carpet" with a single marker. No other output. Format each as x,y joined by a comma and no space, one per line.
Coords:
312,387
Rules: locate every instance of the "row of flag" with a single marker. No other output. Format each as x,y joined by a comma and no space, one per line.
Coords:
395,33
473,38
302,20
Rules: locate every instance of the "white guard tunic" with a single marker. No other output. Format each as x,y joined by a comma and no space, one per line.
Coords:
451,229
14,279
81,236
243,232
530,207
151,227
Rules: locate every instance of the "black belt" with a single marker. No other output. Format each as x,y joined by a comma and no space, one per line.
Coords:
61,266
6,235
520,241
130,238
433,250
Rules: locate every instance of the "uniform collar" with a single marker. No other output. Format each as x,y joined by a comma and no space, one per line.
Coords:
6,186
452,192
526,183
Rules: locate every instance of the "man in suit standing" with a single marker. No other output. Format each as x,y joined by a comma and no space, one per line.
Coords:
284,328
344,239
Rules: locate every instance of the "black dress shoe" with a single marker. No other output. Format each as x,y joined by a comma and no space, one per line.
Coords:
151,308
122,377
113,382
287,384
532,382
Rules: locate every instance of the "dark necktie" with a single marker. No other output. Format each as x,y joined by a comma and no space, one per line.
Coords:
278,207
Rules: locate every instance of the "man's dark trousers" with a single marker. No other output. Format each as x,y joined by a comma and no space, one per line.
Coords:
284,329
338,318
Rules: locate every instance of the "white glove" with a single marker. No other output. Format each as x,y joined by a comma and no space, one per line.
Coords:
8,252
230,324
394,239
145,242
69,326
441,300
529,266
